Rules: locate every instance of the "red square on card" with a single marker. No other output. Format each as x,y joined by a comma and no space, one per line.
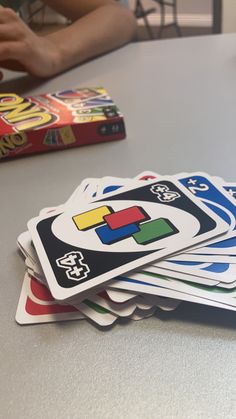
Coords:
125,217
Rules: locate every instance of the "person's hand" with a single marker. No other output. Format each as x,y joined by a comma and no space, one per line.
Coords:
22,50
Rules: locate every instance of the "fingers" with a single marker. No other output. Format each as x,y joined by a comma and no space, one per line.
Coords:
16,39
11,51
12,65
16,56
11,29
8,15
11,26
11,32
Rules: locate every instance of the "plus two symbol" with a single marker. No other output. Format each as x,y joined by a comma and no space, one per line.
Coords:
192,182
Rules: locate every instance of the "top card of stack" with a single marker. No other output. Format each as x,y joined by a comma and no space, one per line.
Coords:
53,121
88,241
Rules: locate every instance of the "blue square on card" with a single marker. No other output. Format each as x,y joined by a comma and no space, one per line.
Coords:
109,236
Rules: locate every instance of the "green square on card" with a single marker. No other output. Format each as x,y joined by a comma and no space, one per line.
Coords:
154,230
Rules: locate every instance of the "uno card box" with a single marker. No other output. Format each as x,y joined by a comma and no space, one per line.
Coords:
55,121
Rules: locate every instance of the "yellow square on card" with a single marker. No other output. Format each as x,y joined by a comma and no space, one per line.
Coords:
92,218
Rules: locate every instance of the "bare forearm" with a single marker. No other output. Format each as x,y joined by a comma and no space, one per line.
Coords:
98,26
102,30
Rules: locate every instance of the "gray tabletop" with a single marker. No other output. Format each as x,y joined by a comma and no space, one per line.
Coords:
179,102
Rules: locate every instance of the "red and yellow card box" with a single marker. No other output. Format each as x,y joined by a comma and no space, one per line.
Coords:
48,122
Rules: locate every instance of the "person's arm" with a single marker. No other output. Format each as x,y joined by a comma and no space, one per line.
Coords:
97,26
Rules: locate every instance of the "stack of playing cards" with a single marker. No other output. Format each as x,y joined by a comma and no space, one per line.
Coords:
120,248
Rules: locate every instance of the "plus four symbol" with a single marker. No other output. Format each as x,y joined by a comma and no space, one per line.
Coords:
76,271
161,188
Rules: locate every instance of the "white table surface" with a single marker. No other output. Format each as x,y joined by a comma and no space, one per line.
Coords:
179,102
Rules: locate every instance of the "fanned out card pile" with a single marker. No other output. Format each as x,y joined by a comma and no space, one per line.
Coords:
120,248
